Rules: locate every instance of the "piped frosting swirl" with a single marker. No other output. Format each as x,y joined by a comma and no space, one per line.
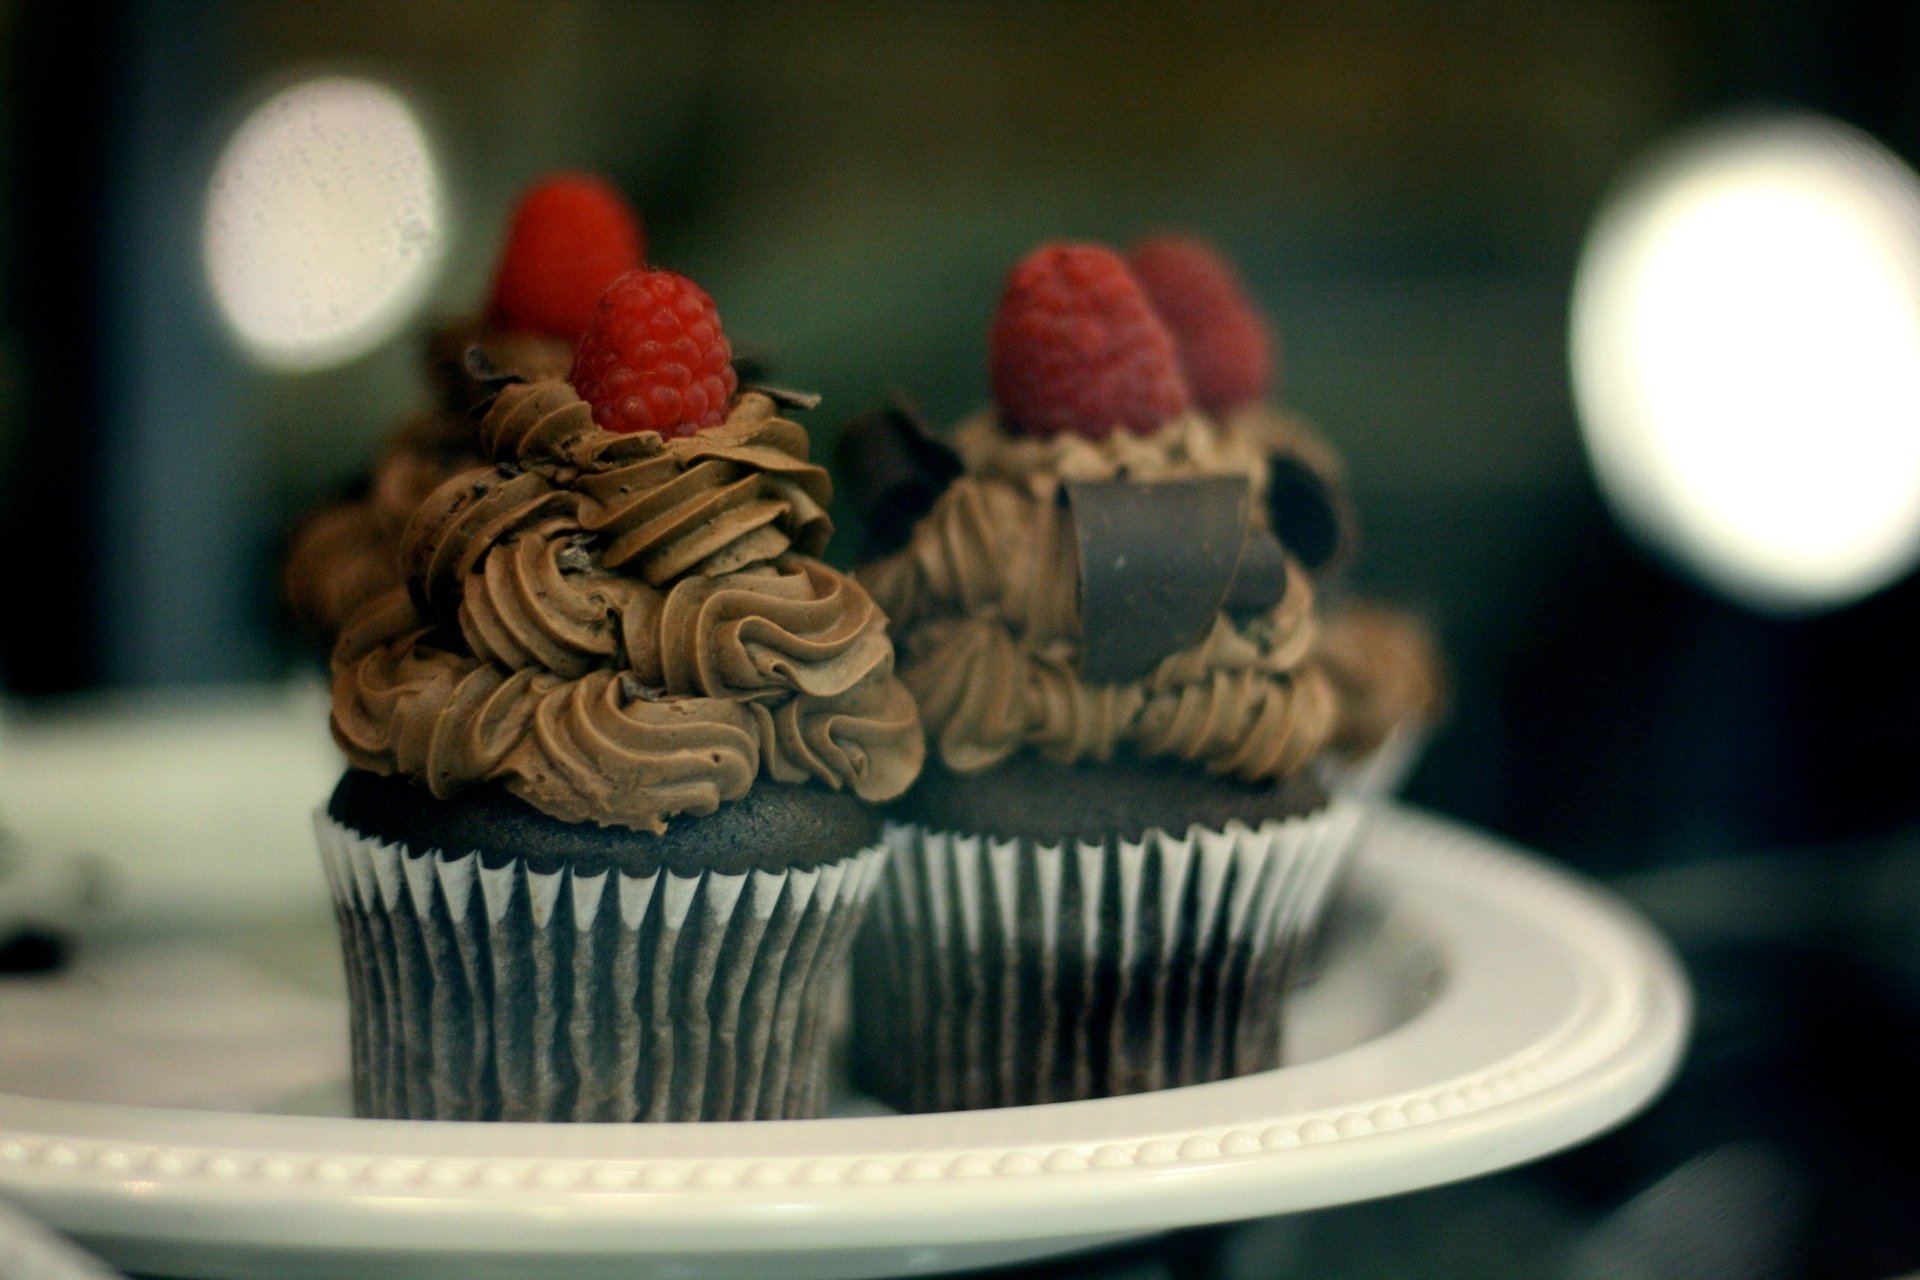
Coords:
985,595
620,628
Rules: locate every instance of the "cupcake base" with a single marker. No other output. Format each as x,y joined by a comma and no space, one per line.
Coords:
1010,969
620,984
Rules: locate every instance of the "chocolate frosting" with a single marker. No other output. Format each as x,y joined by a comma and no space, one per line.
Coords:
1387,670
985,593
343,555
620,628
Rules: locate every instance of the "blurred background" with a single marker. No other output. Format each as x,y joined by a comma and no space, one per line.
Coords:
1455,216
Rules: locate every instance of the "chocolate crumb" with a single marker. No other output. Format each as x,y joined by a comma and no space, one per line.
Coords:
573,558
633,689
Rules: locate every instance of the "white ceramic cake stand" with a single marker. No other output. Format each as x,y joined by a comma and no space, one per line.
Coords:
1479,1009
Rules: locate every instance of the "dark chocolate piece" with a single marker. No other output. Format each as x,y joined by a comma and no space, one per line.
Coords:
783,397
1260,579
774,826
1156,563
752,367
32,950
483,371
1034,798
1310,516
895,468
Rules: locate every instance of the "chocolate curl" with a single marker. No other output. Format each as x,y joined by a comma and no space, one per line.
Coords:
1158,562
1310,517
895,468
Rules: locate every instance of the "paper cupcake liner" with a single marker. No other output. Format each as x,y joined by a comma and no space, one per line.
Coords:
1381,772
505,993
1000,972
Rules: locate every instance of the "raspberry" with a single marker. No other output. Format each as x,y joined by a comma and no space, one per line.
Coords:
654,357
1075,346
1225,346
572,234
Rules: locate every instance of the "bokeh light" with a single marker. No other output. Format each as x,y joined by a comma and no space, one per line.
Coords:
1745,344
324,223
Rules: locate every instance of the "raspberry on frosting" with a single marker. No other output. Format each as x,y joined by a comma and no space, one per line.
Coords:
654,357
1076,347
1225,346
572,235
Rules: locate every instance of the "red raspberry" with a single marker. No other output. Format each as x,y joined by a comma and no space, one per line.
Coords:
655,358
1076,347
572,234
1225,346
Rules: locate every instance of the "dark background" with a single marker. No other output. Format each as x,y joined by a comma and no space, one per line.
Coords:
1406,187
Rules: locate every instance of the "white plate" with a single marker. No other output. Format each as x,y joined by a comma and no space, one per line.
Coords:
1480,1010
175,794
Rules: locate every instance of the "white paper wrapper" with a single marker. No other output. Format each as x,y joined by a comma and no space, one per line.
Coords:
1001,972
506,993
1382,771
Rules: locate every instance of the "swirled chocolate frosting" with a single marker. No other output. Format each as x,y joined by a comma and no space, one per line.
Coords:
344,554
1387,670
985,596
1383,665
619,628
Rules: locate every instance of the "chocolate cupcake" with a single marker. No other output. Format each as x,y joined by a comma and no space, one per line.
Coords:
1122,833
570,236
605,836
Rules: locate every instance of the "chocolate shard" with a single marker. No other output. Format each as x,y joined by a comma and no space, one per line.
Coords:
752,367
1157,561
1310,517
895,467
483,371
1260,579
783,397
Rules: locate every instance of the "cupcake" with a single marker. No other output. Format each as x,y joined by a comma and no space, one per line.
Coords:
605,835
1122,831
570,236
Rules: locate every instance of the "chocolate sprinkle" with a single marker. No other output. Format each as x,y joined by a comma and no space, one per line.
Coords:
1157,564
895,468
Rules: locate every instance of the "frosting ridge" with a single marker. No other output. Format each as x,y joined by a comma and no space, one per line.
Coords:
620,628
985,595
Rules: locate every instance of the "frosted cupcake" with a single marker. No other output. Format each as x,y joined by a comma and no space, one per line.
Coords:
1122,832
570,236
605,836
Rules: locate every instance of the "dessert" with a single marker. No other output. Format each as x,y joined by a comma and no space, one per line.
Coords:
570,236
1122,832
605,833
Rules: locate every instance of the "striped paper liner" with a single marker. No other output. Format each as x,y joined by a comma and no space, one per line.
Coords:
1002,972
506,993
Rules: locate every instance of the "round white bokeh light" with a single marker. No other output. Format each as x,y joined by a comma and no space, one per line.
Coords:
1745,343
324,223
